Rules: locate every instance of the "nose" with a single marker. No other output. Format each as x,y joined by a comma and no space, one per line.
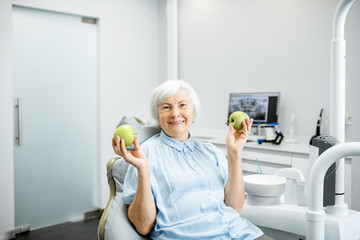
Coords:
175,112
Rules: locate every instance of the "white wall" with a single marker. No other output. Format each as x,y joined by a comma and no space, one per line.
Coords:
353,74
129,69
260,45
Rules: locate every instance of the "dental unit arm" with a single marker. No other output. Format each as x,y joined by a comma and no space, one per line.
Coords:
337,88
315,215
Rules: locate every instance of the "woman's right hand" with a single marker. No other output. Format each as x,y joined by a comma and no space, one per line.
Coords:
136,158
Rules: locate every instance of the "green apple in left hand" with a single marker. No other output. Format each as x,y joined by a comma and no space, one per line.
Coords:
237,118
125,132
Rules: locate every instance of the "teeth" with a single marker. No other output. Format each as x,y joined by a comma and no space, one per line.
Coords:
177,122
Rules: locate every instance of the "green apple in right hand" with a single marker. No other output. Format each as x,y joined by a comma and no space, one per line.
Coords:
125,132
237,118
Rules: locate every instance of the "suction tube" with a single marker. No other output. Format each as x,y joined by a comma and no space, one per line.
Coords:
315,215
337,93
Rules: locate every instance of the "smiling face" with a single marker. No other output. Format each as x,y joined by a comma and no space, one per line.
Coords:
176,114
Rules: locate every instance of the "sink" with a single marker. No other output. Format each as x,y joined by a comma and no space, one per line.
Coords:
264,185
263,189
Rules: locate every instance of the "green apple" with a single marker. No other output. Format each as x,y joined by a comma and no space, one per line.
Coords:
237,118
125,132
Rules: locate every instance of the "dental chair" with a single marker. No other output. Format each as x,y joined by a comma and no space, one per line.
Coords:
114,223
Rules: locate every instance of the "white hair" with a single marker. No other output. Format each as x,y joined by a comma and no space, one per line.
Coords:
168,89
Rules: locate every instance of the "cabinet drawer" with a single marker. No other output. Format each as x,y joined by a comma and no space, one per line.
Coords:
251,167
267,156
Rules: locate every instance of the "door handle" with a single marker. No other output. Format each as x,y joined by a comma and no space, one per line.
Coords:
19,110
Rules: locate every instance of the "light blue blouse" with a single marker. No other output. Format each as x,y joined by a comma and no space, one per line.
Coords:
188,181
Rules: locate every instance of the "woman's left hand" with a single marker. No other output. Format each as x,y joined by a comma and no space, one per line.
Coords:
234,190
236,139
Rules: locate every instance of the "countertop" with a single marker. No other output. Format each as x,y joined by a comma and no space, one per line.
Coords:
218,137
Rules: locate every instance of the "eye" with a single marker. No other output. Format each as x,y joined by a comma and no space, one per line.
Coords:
166,107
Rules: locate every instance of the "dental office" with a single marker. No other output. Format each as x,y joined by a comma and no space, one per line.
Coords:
56,130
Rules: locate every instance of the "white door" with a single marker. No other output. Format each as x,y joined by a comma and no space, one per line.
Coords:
55,76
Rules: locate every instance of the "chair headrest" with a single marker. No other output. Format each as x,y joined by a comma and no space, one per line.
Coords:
143,131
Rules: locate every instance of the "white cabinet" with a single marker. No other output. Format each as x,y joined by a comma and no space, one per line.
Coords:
269,161
273,157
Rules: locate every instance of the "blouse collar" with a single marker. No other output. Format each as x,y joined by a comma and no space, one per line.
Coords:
180,146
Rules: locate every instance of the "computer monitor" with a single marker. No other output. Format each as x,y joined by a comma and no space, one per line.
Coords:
262,107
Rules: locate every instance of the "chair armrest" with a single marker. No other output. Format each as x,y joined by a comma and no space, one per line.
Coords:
102,223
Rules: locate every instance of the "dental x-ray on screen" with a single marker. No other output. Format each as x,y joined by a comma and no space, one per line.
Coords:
262,107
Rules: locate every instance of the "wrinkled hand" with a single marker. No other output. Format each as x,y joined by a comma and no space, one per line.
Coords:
236,139
136,158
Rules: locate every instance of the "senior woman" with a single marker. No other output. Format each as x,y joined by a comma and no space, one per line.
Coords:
179,188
